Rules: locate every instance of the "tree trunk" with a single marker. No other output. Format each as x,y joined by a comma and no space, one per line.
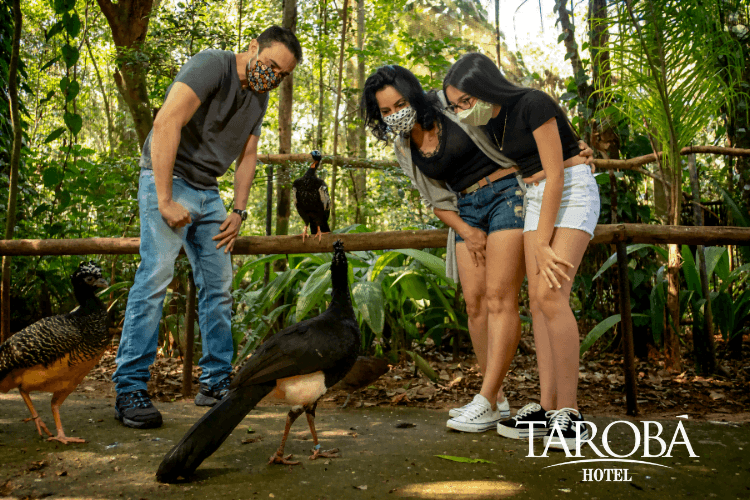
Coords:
283,176
128,20
15,160
344,13
360,177
321,87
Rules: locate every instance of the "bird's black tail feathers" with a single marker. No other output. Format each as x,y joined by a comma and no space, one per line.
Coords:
210,431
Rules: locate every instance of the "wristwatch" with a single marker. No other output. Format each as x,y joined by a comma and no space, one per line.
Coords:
241,213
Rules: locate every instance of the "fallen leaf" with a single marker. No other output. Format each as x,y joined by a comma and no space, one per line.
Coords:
362,487
465,460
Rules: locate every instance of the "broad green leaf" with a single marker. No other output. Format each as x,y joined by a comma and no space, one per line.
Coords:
434,264
62,6
370,302
51,177
247,266
465,460
423,365
690,271
723,311
70,55
630,249
63,84
113,288
74,122
381,264
598,331
72,91
713,255
54,135
737,213
413,285
72,24
313,290
54,30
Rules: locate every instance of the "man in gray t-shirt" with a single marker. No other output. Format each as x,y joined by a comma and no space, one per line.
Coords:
212,116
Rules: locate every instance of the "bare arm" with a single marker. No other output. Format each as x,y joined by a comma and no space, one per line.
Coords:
550,151
475,239
243,179
177,110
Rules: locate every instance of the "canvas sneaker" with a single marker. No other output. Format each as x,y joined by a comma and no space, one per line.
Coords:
519,426
134,409
565,419
479,417
209,396
504,408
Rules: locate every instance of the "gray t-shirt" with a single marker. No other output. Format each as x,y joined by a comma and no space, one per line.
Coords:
216,134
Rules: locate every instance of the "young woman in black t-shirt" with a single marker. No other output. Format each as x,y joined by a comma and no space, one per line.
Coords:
562,207
486,216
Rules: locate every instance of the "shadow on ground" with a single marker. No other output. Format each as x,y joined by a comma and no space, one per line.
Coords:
379,458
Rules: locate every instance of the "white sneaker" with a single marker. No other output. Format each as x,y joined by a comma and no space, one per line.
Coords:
478,417
504,408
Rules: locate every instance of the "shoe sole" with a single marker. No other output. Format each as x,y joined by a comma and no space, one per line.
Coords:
135,424
203,400
520,433
466,427
457,412
555,444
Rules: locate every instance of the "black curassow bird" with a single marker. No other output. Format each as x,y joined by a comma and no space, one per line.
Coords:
310,197
300,363
55,353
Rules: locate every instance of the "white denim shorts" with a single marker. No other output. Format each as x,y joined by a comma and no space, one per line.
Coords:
579,207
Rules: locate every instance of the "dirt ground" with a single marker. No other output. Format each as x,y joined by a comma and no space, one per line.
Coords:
390,436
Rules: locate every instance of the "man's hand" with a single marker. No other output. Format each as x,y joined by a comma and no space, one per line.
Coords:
229,230
174,214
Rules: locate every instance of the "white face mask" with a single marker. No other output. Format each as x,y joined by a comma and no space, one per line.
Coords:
477,115
402,121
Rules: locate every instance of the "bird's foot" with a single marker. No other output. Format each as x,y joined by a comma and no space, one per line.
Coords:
304,233
39,425
278,458
320,235
325,454
65,439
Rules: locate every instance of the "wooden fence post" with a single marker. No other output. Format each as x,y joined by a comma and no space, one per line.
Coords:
626,320
187,360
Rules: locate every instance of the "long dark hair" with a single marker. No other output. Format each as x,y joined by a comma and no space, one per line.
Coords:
404,81
477,75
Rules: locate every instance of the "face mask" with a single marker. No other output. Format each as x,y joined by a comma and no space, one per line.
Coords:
261,78
478,115
402,121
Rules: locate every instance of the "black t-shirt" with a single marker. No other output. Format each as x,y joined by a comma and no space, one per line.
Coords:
528,114
458,160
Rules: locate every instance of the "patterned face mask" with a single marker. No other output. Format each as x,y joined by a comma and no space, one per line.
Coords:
261,78
402,121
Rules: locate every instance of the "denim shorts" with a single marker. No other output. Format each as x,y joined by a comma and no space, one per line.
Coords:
494,207
579,206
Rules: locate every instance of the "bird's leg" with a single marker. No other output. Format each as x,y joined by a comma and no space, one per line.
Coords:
304,233
34,415
348,397
319,234
57,400
278,457
310,414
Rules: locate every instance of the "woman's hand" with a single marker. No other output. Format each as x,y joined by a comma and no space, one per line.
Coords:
476,243
547,264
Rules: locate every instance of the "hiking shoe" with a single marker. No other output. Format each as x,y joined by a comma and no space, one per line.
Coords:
134,409
519,426
565,420
209,396
479,417
504,408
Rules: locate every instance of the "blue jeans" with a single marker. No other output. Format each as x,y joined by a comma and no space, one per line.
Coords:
494,207
212,272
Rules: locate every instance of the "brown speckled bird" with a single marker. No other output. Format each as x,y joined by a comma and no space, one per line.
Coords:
55,353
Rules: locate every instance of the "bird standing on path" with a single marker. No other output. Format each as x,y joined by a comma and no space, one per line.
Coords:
310,197
299,363
55,353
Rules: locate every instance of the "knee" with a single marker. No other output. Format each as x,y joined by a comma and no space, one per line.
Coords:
475,305
550,301
500,302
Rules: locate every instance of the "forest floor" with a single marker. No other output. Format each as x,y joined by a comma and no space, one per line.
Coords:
393,440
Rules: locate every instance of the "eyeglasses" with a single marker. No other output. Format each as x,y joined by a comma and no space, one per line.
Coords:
463,104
